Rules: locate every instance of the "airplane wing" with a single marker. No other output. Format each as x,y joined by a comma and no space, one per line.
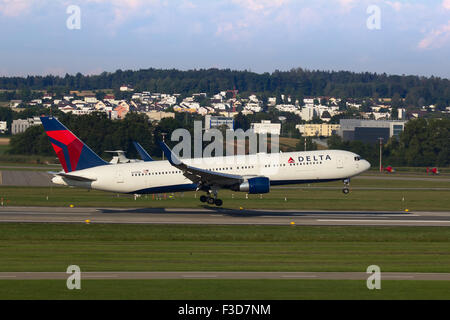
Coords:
144,155
201,176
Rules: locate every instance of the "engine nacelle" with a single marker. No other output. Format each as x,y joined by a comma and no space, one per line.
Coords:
254,185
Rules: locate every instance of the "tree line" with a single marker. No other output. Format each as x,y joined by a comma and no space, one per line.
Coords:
424,142
405,90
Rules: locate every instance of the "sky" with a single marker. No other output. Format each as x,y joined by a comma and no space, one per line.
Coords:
40,37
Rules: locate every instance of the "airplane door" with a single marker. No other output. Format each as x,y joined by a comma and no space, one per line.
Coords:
119,176
340,162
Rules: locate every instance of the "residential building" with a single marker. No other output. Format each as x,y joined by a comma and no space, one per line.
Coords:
15,103
318,130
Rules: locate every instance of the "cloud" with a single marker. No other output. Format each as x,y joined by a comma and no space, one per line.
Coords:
436,38
396,5
261,5
446,4
123,10
347,5
14,8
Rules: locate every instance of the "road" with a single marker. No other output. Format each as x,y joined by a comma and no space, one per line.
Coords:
222,216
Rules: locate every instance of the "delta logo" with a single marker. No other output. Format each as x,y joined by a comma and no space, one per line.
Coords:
291,160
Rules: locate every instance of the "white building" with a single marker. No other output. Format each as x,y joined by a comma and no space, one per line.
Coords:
272,101
218,121
20,125
90,99
308,113
286,108
3,127
401,113
126,88
266,127
255,107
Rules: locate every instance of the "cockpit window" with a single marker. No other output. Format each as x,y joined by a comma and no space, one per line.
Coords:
357,158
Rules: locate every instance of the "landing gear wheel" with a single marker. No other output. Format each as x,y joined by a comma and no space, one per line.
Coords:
346,190
211,200
218,202
203,198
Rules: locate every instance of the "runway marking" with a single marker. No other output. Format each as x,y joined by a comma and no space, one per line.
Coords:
296,277
392,221
198,276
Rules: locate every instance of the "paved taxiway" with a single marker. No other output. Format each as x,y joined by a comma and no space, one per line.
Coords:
221,216
223,275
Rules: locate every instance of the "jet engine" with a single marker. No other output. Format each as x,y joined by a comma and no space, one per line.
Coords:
254,185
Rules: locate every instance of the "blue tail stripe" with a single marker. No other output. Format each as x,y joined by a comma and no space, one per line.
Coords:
52,124
89,159
65,151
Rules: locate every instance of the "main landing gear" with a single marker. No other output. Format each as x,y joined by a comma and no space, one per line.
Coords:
346,189
211,199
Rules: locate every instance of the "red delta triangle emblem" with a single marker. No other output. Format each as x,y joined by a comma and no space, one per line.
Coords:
291,160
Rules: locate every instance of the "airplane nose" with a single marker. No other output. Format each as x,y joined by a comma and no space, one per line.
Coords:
366,165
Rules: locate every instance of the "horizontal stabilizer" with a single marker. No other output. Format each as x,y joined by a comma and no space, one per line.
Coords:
76,178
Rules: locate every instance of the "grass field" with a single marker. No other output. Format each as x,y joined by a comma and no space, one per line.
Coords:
52,247
223,290
109,247
301,198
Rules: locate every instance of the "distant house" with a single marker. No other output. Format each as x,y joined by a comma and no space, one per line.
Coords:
109,97
126,88
15,103
67,108
122,109
100,105
90,98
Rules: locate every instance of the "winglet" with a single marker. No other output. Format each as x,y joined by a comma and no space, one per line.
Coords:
173,159
144,155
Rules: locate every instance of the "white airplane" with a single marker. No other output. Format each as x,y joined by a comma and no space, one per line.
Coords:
253,174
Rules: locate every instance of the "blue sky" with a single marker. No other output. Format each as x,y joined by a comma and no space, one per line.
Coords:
257,35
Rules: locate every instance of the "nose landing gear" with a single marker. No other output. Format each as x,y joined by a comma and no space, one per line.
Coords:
346,189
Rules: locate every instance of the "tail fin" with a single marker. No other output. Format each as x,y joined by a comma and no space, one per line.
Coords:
144,155
71,151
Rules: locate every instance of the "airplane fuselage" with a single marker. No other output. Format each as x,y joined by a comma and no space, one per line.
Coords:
280,168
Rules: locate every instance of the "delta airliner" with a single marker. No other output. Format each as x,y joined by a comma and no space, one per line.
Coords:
253,174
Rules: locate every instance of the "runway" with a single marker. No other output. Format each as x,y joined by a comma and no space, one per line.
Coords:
221,216
223,275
